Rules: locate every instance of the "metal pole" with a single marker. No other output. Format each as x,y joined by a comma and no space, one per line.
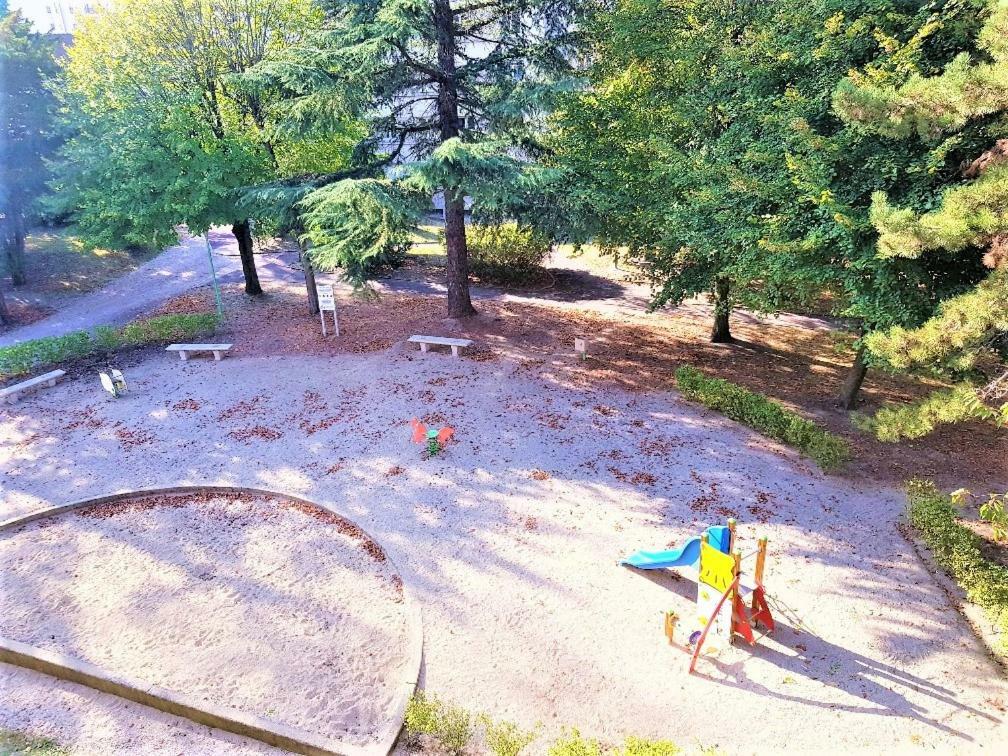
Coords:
213,274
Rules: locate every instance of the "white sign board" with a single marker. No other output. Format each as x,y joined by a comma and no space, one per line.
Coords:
327,298
327,303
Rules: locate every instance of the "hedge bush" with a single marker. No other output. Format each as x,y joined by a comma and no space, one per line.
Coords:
22,359
507,253
764,415
956,549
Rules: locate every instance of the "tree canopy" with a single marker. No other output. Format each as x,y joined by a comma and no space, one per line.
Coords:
454,98
709,145
164,129
969,219
29,131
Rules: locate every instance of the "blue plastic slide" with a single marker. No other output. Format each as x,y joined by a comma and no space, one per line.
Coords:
686,555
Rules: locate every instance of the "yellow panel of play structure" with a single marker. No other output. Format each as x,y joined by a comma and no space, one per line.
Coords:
717,569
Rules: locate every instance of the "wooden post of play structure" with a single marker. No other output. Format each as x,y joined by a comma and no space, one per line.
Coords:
761,545
731,535
670,622
737,554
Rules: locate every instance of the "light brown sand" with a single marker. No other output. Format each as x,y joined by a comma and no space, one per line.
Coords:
234,600
527,616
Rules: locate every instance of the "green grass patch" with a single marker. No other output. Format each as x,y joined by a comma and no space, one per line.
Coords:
17,743
432,724
764,415
957,550
29,356
56,262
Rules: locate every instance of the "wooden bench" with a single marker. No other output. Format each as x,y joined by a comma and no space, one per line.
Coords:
426,341
185,349
13,393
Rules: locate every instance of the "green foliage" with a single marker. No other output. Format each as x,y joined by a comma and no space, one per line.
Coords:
505,738
29,130
641,747
452,729
967,216
358,225
574,744
993,511
507,253
956,549
919,418
14,743
450,726
464,125
763,415
965,105
168,125
955,336
930,105
27,356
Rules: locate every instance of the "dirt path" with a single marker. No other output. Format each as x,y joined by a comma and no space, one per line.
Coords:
510,541
184,267
175,271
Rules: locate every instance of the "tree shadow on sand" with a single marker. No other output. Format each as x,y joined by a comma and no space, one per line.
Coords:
796,650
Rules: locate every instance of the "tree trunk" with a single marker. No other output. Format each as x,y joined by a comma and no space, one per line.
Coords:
14,246
721,333
457,269
309,279
852,385
243,233
5,316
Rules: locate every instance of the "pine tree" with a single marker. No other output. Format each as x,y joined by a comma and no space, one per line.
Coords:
454,98
971,219
708,145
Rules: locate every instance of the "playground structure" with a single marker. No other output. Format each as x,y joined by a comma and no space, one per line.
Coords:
715,564
434,440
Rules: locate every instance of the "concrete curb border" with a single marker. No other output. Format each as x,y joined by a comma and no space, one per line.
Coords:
221,717
974,615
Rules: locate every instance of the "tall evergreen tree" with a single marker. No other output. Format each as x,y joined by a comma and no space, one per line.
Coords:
28,132
454,95
970,221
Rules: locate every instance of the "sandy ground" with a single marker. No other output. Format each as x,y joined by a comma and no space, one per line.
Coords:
236,601
511,539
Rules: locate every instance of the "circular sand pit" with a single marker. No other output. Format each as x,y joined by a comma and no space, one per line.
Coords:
258,602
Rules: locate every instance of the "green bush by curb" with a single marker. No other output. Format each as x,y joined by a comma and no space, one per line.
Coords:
22,359
764,415
956,549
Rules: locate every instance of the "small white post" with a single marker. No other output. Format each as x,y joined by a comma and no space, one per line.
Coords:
581,348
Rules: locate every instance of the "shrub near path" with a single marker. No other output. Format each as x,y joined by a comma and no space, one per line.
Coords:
764,415
22,359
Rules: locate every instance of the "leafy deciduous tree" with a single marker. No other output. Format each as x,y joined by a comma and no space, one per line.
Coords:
165,131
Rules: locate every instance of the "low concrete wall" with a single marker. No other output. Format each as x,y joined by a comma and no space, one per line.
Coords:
221,717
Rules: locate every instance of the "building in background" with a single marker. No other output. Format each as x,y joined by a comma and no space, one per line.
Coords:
54,16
